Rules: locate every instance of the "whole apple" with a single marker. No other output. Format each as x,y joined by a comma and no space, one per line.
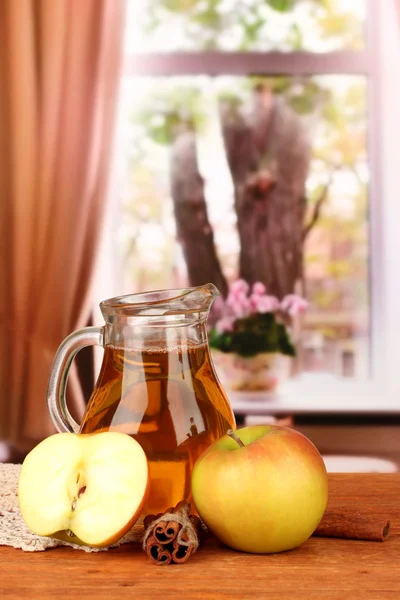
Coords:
261,489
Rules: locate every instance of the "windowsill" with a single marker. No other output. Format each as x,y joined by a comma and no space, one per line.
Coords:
316,394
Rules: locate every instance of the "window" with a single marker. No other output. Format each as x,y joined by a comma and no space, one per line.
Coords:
197,67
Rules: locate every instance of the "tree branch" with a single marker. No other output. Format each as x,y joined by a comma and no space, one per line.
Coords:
317,208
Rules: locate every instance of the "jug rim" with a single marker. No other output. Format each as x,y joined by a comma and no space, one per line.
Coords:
162,302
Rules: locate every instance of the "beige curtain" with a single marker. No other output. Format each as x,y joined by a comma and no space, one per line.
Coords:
59,73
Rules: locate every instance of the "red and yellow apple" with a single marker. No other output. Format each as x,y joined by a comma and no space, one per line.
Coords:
87,489
264,491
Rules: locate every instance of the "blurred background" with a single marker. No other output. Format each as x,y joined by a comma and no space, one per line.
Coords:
134,135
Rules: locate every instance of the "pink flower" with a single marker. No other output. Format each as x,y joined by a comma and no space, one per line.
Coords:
239,287
259,289
239,305
225,324
218,306
253,301
237,299
265,303
294,304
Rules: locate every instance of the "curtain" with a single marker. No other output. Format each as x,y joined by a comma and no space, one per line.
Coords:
59,73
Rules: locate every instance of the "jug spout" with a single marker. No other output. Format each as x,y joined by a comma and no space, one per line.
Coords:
199,299
162,303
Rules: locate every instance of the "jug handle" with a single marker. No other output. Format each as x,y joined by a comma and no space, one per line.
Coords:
56,401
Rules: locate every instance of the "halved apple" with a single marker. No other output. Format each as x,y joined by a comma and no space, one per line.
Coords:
87,488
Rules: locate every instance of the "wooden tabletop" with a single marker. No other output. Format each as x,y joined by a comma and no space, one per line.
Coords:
321,569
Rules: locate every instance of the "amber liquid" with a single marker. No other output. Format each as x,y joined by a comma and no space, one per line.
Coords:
168,400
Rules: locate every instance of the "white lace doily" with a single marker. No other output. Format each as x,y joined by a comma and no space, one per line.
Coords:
14,532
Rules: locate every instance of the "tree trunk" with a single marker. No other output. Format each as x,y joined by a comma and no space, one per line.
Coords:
194,230
268,154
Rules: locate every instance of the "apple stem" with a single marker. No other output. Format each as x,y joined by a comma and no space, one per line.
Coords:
235,437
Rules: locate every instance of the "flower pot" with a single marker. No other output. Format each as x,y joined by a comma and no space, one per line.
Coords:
261,372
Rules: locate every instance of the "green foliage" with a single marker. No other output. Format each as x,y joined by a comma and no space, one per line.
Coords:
166,109
325,298
339,268
253,335
282,5
251,25
295,37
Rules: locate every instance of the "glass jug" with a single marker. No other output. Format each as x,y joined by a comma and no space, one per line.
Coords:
157,383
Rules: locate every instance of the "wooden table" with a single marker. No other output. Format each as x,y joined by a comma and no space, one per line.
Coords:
319,570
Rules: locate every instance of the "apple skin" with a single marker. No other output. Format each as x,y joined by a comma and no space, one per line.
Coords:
267,496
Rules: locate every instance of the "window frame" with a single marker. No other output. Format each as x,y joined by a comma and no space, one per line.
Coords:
346,62
381,392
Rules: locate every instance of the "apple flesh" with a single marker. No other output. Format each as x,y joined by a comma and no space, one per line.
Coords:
265,492
87,489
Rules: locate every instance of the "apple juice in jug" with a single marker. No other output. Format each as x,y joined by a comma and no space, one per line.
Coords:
170,400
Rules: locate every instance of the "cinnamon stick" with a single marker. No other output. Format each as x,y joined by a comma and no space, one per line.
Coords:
158,553
181,553
353,525
172,536
166,531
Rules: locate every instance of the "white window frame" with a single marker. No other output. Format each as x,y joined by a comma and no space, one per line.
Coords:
381,393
